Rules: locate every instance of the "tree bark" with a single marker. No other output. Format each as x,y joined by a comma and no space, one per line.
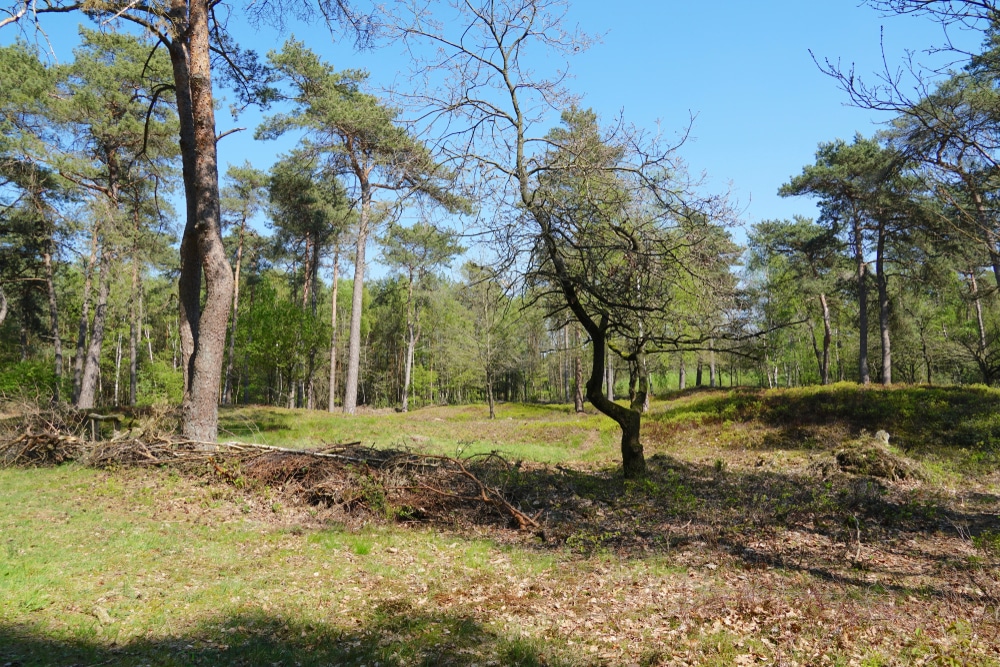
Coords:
227,393
827,338
3,306
333,330
682,374
203,332
53,320
577,374
861,275
882,281
92,363
357,299
411,342
84,324
712,379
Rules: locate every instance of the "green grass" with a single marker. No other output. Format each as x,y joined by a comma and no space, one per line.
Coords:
547,434
737,549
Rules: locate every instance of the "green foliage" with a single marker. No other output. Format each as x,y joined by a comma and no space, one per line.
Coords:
160,384
27,379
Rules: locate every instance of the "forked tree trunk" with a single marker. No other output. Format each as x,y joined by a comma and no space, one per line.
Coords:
92,363
202,332
84,324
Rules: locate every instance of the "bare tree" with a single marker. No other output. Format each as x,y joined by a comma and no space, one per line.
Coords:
590,217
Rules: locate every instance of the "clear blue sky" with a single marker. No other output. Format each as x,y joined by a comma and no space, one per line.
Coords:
743,68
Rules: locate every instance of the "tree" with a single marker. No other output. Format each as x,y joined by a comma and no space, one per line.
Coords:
358,135
587,212
189,31
242,198
808,254
416,251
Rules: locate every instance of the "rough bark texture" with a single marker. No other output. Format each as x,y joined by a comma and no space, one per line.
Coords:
92,363
203,332
81,333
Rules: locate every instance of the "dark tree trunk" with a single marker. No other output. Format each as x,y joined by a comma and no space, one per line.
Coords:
698,373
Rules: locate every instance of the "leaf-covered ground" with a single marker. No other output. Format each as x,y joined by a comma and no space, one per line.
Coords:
749,543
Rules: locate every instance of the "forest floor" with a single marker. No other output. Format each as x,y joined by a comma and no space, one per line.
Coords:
774,528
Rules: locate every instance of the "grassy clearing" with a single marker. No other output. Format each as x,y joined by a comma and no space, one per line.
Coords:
744,546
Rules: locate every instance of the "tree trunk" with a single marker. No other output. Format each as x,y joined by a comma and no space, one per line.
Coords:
227,393
333,328
3,306
611,378
203,332
682,374
882,281
411,343
489,396
53,320
712,380
577,374
134,326
859,258
698,373
84,324
92,364
827,338
354,339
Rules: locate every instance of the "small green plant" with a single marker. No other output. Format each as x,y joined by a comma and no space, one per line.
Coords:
988,541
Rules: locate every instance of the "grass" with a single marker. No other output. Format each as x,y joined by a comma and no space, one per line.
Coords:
741,547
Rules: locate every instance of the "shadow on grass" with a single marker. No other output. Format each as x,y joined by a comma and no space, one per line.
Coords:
919,418
681,504
394,634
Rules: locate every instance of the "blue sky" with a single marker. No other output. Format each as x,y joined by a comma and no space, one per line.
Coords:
742,68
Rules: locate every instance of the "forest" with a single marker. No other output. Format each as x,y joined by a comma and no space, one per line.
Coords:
467,325
903,258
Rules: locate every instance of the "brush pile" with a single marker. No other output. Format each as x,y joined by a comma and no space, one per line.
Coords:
389,484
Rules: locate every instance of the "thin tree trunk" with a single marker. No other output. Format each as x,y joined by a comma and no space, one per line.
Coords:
3,306
227,393
134,327
333,329
54,321
411,342
611,378
118,366
882,281
682,373
827,338
489,396
577,374
859,258
712,380
698,373
92,364
354,339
